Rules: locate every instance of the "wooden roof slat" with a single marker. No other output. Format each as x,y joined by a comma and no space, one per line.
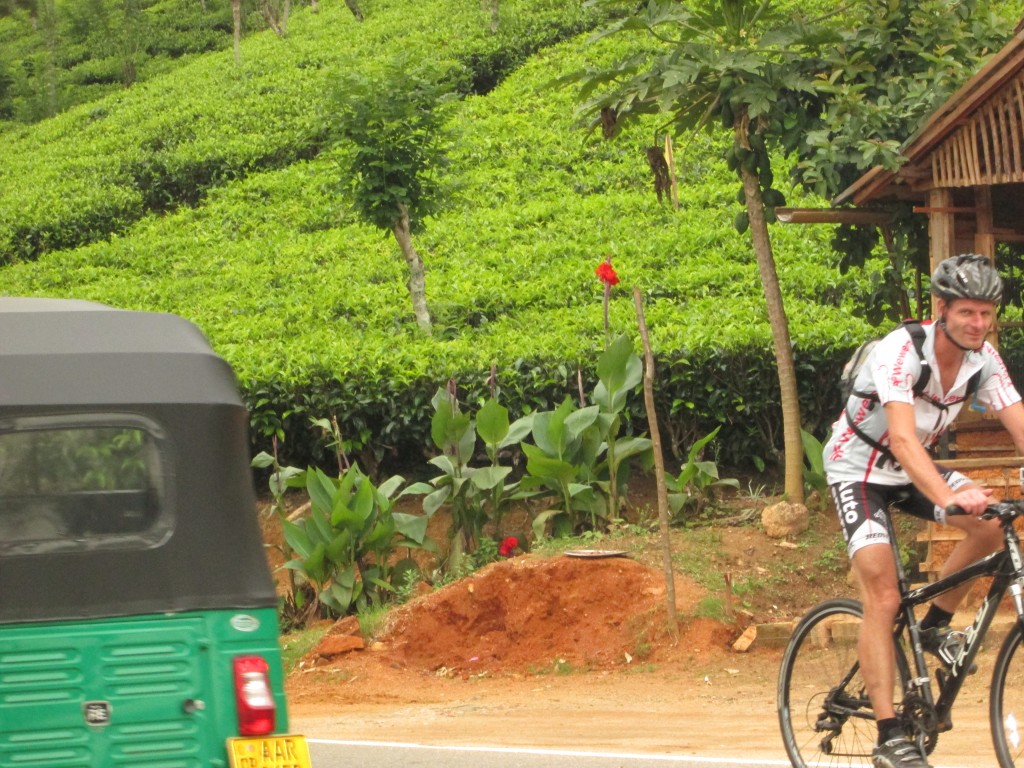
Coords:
1006,162
1001,70
1017,107
987,149
987,139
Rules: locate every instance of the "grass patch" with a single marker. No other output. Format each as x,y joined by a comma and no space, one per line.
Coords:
297,644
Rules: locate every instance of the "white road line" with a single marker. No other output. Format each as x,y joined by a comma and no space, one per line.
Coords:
560,752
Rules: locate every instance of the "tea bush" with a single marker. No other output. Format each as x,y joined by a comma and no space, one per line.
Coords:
216,195
93,171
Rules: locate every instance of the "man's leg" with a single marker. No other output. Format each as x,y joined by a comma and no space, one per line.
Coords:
982,538
876,572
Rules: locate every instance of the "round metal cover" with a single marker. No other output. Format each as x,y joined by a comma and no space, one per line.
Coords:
593,553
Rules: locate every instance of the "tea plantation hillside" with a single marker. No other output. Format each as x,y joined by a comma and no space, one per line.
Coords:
215,192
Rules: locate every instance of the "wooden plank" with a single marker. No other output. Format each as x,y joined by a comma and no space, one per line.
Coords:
984,463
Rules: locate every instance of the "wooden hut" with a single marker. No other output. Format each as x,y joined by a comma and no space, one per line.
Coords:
964,170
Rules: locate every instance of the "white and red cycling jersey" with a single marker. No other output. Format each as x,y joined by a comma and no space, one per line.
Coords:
890,371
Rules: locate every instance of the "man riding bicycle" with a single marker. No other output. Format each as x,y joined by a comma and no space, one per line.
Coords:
878,455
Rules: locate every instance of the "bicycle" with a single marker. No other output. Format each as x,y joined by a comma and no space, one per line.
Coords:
824,711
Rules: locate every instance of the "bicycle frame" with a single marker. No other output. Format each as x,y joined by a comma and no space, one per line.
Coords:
1006,568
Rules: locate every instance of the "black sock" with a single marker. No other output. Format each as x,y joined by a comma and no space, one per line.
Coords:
936,617
888,728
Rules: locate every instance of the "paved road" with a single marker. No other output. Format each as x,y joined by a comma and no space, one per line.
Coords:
366,754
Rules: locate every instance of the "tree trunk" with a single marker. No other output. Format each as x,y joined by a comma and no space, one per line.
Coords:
494,16
48,24
270,15
353,6
236,16
794,452
417,281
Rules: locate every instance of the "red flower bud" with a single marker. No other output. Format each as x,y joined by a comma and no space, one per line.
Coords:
508,546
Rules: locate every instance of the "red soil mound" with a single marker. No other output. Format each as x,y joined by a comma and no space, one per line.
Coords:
529,614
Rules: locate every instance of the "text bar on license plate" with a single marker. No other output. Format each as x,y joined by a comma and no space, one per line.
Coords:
269,752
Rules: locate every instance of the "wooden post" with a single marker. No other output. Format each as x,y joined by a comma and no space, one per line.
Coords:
985,238
659,467
941,226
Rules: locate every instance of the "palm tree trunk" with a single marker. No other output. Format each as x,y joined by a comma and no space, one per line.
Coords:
793,446
417,279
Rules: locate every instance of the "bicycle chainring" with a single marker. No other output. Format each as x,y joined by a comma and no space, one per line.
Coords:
921,722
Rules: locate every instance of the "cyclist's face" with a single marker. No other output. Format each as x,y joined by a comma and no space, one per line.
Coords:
968,321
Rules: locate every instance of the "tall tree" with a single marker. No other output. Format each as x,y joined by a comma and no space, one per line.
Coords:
394,123
897,61
737,65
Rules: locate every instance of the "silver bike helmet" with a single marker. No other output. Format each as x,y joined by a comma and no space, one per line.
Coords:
968,276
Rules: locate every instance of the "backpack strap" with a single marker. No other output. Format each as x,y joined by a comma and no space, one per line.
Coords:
916,331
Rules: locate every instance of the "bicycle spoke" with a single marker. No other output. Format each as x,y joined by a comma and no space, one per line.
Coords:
1007,702
824,712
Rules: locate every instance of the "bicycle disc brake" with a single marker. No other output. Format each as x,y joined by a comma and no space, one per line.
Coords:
921,722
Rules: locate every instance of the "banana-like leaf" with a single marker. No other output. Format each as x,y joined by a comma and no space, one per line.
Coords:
486,478
413,527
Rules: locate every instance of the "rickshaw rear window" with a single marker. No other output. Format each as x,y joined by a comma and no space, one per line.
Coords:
80,485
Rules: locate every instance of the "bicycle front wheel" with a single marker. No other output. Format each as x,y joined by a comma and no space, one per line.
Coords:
824,711
1006,701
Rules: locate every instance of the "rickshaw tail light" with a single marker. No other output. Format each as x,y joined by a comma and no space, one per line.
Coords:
255,699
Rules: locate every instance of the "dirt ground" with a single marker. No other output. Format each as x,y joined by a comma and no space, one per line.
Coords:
567,652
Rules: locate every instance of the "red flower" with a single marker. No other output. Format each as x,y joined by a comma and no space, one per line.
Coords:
606,273
508,546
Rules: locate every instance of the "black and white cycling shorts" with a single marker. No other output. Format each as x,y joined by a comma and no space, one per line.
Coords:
862,507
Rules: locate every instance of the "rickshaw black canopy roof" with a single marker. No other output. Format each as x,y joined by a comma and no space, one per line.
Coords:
69,352
74,357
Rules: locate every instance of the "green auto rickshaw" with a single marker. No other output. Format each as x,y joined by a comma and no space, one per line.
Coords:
138,616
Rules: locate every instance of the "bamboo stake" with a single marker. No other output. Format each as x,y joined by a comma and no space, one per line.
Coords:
670,160
659,467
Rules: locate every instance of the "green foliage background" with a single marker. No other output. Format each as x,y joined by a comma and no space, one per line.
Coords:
214,191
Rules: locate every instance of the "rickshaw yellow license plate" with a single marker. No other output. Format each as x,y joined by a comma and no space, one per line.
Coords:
269,752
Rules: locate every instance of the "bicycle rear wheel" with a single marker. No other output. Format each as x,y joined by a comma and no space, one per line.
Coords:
824,711
1006,701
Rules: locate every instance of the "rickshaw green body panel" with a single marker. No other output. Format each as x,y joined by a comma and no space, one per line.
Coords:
132,570
165,679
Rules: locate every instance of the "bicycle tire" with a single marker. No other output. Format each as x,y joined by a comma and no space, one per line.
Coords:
1006,701
822,722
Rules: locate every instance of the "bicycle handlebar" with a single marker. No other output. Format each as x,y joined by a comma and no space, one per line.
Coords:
1004,510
